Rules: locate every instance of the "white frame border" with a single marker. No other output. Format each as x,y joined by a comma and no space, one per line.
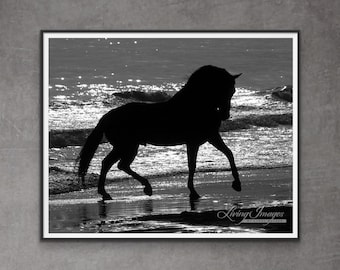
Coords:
46,35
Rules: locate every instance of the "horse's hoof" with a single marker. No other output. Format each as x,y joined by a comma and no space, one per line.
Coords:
148,190
194,196
236,185
107,197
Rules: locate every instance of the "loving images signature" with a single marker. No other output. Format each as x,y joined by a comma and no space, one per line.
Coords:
253,215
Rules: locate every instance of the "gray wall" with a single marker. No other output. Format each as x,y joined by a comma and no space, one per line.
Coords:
20,140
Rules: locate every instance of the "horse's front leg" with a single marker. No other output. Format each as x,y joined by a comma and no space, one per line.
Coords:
218,143
192,150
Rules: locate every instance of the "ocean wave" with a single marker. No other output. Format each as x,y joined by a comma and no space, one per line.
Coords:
283,93
158,96
77,137
269,120
69,137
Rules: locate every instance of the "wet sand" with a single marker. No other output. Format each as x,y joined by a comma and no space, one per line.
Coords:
169,208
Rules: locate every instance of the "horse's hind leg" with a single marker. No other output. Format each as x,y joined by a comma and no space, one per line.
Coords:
192,150
128,155
220,145
107,163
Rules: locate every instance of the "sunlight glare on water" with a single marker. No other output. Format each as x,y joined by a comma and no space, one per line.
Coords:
257,147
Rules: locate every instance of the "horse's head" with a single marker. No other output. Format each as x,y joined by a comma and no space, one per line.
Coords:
213,88
227,91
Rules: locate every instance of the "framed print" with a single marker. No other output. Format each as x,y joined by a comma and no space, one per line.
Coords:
170,134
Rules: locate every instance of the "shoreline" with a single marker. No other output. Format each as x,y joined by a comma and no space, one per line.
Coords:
169,210
63,181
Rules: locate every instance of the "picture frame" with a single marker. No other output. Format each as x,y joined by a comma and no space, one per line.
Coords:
87,73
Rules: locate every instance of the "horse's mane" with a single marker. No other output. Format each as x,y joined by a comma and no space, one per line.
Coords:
206,78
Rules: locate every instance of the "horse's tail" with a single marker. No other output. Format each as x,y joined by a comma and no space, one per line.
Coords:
89,148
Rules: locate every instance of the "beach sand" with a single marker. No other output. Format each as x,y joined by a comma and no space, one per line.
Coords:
169,208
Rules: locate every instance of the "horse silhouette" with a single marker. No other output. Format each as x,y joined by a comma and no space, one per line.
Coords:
192,117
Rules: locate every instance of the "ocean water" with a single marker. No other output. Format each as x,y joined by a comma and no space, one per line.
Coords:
86,77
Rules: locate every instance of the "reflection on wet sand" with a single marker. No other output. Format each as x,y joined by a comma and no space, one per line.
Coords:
169,209
105,207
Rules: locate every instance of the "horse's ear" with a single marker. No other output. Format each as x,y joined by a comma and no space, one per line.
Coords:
236,76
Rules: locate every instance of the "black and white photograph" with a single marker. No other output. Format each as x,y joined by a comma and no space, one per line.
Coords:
170,134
